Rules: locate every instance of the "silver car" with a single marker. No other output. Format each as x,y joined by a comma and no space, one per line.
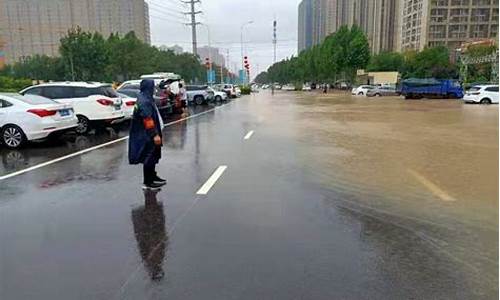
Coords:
380,91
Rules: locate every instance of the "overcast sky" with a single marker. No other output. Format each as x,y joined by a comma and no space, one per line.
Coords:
225,17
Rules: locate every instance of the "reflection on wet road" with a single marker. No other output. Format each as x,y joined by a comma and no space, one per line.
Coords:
329,197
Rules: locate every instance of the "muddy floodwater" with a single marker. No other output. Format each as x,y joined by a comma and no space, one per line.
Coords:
429,167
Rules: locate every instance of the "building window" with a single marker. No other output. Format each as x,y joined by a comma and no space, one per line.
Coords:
439,2
435,43
459,15
439,15
459,2
494,31
457,31
437,31
479,31
480,15
481,2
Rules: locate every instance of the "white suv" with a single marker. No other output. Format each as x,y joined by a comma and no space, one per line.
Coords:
229,89
484,94
94,103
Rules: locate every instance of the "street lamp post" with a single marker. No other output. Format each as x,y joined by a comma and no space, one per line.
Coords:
242,52
209,49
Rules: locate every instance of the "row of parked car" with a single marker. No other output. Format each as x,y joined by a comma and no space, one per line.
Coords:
483,94
287,87
51,109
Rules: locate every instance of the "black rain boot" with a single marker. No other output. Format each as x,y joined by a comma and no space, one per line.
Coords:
149,175
158,180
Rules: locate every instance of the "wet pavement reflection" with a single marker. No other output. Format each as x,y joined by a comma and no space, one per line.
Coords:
333,197
151,235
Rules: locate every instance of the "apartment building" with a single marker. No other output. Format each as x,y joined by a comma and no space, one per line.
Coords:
29,27
377,18
305,25
446,22
212,52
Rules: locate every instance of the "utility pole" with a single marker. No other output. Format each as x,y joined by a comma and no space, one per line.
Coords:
274,44
274,39
241,39
193,23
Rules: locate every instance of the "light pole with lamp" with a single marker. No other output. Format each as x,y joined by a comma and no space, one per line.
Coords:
209,52
242,54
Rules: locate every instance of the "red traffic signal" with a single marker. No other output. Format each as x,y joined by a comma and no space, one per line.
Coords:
207,62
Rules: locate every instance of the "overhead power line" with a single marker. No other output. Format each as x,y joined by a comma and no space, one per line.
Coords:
169,9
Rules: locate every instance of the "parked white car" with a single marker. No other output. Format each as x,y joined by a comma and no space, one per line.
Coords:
362,90
128,105
237,90
288,87
229,89
32,117
484,94
218,95
94,103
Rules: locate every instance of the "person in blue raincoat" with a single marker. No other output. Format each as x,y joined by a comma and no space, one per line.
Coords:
145,140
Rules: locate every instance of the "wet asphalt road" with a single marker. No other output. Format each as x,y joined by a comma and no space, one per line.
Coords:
332,197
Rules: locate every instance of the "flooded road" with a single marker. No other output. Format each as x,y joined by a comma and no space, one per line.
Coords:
329,197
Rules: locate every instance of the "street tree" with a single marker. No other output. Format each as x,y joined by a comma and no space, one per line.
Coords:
386,62
85,54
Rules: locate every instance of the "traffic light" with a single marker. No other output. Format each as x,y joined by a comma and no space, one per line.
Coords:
207,63
246,64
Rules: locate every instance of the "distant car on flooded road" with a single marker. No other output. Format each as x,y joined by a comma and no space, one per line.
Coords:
380,91
362,90
32,117
484,94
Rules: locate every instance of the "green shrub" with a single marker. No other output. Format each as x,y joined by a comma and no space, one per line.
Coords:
9,84
245,90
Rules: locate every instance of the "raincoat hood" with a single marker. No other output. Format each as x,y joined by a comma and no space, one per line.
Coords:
148,87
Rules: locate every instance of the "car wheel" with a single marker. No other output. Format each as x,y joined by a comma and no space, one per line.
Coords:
360,94
378,95
218,98
199,100
485,101
83,125
13,136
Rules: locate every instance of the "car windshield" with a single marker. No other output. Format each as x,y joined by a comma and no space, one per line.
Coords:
475,89
129,86
32,99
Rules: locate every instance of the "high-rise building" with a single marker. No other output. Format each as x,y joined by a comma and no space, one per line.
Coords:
446,22
207,52
305,25
30,27
377,18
